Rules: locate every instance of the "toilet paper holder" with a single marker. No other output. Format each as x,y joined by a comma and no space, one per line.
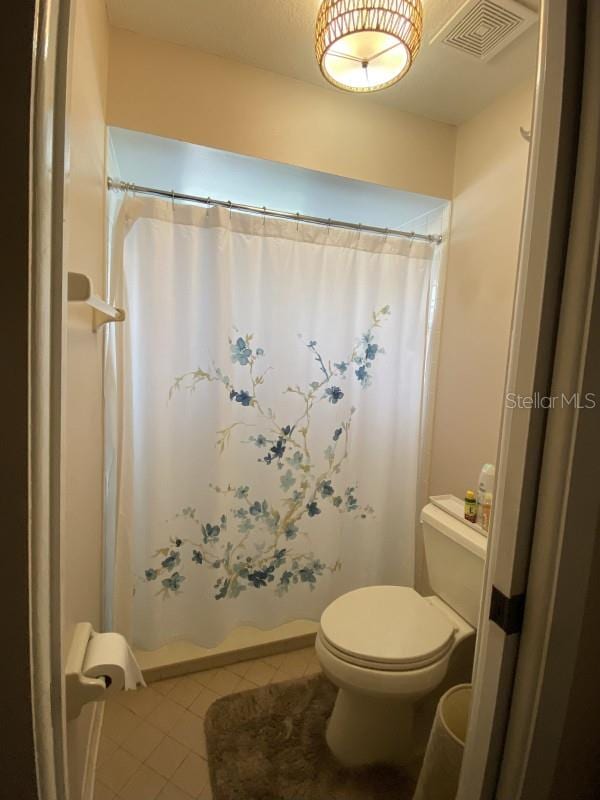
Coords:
80,689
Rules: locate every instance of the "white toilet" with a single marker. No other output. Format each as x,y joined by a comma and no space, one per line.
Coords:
386,647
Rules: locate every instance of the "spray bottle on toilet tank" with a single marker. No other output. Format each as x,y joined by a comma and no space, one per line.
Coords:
485,493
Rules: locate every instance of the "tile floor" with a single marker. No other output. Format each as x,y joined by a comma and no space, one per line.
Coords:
153,746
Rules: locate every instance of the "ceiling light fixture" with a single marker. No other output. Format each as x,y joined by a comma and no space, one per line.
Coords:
367,45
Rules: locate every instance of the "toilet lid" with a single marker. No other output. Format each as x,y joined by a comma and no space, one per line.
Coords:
386,627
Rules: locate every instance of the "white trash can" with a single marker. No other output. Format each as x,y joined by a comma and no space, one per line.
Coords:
440,772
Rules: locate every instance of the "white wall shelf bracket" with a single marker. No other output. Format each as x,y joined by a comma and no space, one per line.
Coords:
80,290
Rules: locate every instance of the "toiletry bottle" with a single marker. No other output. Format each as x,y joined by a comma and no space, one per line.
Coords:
486,511
486,485
470,506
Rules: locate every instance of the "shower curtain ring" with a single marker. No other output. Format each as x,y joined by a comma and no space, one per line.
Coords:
173,198
328,225
264,208
207,206
297,221
229,204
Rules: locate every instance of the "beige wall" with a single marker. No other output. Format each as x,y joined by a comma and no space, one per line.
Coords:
83,440
489,187
181,93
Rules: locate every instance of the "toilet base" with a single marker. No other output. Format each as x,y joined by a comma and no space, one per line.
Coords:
366,729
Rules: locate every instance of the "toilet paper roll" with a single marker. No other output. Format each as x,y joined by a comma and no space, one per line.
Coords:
108,655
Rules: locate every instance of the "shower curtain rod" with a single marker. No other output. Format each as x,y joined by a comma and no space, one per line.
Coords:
124,186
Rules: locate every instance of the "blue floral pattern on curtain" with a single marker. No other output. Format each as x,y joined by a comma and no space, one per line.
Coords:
257,543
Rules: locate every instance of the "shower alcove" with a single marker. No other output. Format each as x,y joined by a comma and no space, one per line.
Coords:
143,581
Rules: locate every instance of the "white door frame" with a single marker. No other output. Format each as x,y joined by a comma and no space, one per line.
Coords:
48,119
491,762
568,509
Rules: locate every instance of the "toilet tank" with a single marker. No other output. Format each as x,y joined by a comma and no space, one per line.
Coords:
454,557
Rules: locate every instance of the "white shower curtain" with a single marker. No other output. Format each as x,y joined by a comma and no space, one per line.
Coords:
270,389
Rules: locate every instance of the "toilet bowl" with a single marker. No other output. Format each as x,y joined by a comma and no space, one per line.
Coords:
387,647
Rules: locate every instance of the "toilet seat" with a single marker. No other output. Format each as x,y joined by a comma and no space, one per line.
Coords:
389,628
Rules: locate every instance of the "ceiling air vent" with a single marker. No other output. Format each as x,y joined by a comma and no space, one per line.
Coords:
482,28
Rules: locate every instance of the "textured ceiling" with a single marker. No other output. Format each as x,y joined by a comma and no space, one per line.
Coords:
277,35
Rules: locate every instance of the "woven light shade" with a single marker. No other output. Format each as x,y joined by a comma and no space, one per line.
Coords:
367,45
